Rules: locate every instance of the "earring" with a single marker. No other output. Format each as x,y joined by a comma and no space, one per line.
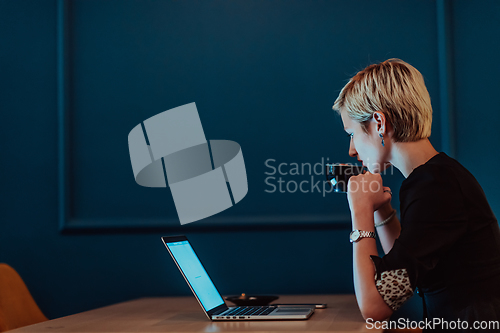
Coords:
382,137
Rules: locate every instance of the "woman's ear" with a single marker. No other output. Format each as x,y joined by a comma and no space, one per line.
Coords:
380,122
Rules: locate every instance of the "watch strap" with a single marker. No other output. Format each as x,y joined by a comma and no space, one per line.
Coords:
366,234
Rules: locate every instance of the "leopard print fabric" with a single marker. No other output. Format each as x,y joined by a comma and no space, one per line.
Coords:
394,287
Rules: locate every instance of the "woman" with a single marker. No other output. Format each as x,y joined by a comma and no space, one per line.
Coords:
448,241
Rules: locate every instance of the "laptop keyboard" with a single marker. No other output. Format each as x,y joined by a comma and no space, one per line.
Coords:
250,311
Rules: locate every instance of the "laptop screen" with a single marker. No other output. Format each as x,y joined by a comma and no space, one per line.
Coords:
196,275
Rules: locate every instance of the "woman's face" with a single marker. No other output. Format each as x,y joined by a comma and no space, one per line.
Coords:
366,147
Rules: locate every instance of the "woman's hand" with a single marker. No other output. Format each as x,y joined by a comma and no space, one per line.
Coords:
366,191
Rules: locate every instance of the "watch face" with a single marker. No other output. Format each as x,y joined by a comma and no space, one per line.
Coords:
354,235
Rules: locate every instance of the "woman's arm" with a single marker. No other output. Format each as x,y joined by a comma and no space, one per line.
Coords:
366,195
369,300
390,231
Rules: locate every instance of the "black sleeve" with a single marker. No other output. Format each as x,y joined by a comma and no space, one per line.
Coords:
433,218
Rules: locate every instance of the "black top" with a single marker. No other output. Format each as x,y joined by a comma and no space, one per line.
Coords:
449,243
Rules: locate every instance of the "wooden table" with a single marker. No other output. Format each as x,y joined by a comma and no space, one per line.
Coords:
184,314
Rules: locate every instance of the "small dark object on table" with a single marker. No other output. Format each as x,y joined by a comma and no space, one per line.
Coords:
251,300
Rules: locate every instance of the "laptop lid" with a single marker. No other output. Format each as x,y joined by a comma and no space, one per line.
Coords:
195,274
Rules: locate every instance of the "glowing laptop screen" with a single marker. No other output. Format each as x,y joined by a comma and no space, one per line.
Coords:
196,275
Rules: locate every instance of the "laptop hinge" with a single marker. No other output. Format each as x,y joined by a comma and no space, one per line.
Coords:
218,310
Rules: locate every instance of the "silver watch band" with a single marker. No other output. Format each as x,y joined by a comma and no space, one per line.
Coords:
366,234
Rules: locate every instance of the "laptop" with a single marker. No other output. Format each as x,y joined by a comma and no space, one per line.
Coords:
209,298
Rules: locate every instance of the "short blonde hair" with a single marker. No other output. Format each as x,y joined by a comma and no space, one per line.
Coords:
396,89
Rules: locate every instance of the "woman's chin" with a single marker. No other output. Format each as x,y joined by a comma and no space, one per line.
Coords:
378,168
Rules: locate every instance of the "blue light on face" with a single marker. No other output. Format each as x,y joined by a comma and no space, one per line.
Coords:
196,275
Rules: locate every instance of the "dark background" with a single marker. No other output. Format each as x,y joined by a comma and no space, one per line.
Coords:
262,73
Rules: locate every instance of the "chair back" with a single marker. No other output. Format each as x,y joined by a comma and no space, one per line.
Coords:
17,306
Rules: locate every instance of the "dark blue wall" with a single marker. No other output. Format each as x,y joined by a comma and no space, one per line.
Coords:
264,74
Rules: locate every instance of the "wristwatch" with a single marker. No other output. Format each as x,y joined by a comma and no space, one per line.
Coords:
356,235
